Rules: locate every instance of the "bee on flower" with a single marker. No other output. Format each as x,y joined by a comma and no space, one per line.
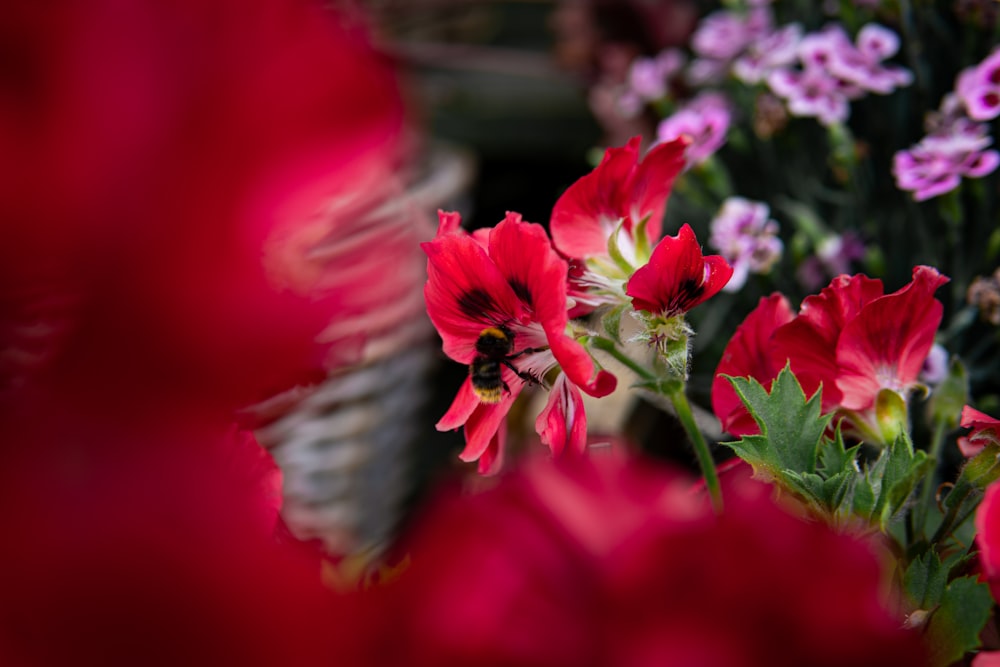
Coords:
498,298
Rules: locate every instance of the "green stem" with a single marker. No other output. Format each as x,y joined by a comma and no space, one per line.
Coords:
609,346
927,492
683,409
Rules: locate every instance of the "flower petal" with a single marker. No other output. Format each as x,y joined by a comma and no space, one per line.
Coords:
810,341
576,223
677,277
562,424
886,344
528,262
465,293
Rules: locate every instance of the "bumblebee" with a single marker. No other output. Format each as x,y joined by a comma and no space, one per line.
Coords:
493,349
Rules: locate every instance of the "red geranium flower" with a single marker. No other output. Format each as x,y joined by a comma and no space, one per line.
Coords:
851,339
621,192
500,306
609,561
677,277
985,431
988,537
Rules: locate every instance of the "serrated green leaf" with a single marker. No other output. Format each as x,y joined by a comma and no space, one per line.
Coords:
863,502
791,427
900,469
925,580
955,625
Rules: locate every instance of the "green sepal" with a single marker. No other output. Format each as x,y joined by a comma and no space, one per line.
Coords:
615,252
642,250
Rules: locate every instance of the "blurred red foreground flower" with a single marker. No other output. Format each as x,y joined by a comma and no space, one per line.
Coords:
605,562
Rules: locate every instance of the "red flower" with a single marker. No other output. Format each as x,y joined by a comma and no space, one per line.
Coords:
614,562
677,277
851,339
747,355
158,161
985,431
619,192
987,523
499,304
622,190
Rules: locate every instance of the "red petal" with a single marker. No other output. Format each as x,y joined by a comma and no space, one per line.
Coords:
988,536
448,222
465,293
749,353
887,343
562,424
576,218
651,183
810,342
677,277
461,408
530,265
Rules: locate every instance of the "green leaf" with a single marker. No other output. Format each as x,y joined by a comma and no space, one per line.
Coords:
900,469
924,581
966,494
955,625
791,427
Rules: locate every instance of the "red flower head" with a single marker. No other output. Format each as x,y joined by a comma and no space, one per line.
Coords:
677,277
607,561
988,537
851,339
156,159
985,431
499,303
618,194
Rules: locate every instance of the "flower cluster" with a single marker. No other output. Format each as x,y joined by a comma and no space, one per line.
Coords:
616,562
957,140
847,341
747,238
502,298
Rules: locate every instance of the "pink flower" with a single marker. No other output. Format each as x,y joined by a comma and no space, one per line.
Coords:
746,237
938,163
610,561
703,123
677,277
979,88
614,198
501,307
985,431
850,339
